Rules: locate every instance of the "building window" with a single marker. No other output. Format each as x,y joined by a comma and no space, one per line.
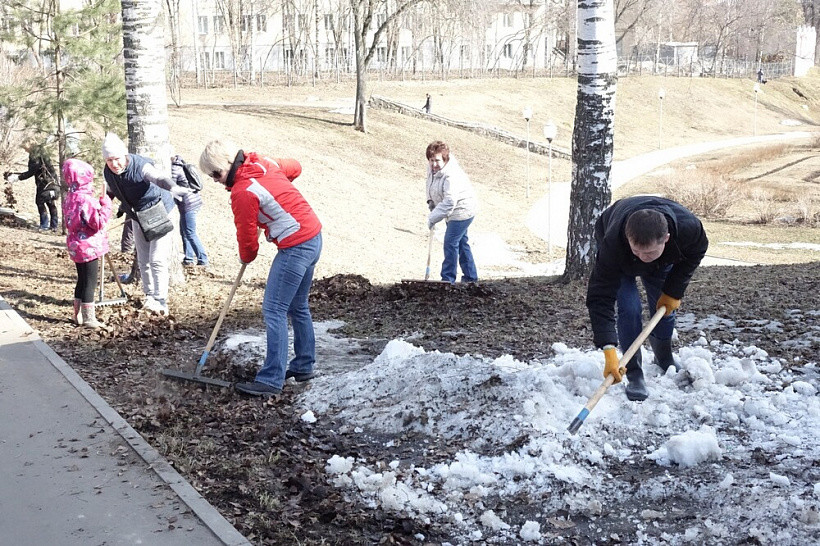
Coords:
328,21
508,20
219,24
464,52
380,19
330,56
219,60
508,51
262,22
203,24
245,23
381,54
408,22
205,58
406,52
288,56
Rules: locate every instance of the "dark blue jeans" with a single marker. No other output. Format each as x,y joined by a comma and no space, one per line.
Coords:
457,252
286,296
191,245
629,319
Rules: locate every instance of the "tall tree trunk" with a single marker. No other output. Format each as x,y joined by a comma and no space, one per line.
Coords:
592,139
145,97
360,113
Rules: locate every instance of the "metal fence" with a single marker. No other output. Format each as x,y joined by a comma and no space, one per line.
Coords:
702,67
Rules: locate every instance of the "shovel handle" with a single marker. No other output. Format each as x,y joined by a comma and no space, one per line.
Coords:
610,379
222,314
116,276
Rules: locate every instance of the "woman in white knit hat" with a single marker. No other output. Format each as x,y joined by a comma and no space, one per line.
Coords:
140,185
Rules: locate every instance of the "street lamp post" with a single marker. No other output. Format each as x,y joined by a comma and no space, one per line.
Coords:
757,91
527,115
661,95
550,131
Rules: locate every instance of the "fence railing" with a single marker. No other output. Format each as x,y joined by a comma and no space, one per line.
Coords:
631,65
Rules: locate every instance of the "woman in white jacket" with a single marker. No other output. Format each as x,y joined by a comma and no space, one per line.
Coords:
450,197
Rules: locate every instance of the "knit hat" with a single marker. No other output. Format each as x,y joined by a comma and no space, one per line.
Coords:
113,146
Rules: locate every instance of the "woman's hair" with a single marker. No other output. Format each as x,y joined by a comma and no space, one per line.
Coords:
438,147
646,227
218,155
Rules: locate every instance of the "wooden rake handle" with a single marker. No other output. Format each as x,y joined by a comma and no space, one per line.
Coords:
429,254
222,314
610,379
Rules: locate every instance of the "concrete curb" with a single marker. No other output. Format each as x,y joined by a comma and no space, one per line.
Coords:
209,515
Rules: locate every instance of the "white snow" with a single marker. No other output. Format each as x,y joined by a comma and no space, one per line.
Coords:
733,433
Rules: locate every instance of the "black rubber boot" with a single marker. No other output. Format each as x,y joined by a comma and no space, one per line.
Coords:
663,353
636,385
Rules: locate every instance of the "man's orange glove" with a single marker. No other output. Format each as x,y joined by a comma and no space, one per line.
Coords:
669,302
611,363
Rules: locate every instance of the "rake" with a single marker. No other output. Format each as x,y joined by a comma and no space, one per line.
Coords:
196,376
116,301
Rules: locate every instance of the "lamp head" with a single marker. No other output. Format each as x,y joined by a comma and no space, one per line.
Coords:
550,130
527,113
661,93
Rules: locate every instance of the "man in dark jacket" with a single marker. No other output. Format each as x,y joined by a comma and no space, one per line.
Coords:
659,241
47,184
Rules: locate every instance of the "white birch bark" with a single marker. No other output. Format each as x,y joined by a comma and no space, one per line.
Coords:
592,139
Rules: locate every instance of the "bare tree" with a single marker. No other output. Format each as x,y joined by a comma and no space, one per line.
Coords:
364,12
592,138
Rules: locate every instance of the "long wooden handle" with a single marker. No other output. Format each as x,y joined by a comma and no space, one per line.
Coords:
610,379
116,276
429,254
222,314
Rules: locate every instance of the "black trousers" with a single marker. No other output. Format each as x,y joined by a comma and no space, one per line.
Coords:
87,275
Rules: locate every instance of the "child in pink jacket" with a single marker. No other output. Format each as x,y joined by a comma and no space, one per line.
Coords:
85,217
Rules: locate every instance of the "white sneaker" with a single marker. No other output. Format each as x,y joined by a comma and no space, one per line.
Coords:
155,306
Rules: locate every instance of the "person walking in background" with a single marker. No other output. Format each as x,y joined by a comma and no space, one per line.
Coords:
427,104
263,197
188,206
46,182
450,197
661,242
139,185
86,238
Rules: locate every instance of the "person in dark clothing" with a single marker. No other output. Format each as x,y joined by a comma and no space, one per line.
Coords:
47,184
428,104
661,242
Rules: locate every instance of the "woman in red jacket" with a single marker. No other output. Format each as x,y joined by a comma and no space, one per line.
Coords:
263,197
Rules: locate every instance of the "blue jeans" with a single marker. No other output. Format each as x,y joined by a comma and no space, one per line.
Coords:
457,252
191,245
286,295
629,308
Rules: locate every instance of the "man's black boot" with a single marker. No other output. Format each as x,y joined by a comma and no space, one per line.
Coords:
663,353
636,386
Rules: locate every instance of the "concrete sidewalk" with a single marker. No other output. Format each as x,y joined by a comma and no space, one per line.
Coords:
73,471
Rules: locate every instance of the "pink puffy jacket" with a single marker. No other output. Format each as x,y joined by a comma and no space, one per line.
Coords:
85,215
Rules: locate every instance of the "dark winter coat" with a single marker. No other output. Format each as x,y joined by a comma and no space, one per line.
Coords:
45,179
684,251
138,192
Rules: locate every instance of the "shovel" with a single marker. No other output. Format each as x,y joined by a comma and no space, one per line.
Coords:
195,376
634,348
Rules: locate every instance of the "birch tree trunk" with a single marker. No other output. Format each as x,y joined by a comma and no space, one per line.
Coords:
145,97
592,139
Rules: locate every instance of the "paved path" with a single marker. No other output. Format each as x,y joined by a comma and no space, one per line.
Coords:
74,472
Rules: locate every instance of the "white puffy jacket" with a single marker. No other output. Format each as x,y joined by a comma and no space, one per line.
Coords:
450,193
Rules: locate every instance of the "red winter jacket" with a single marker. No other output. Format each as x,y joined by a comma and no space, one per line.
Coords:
263,196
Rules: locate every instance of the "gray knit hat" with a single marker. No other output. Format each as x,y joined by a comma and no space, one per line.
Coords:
113,146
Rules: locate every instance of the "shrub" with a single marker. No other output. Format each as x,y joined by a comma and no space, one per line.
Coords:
705,193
